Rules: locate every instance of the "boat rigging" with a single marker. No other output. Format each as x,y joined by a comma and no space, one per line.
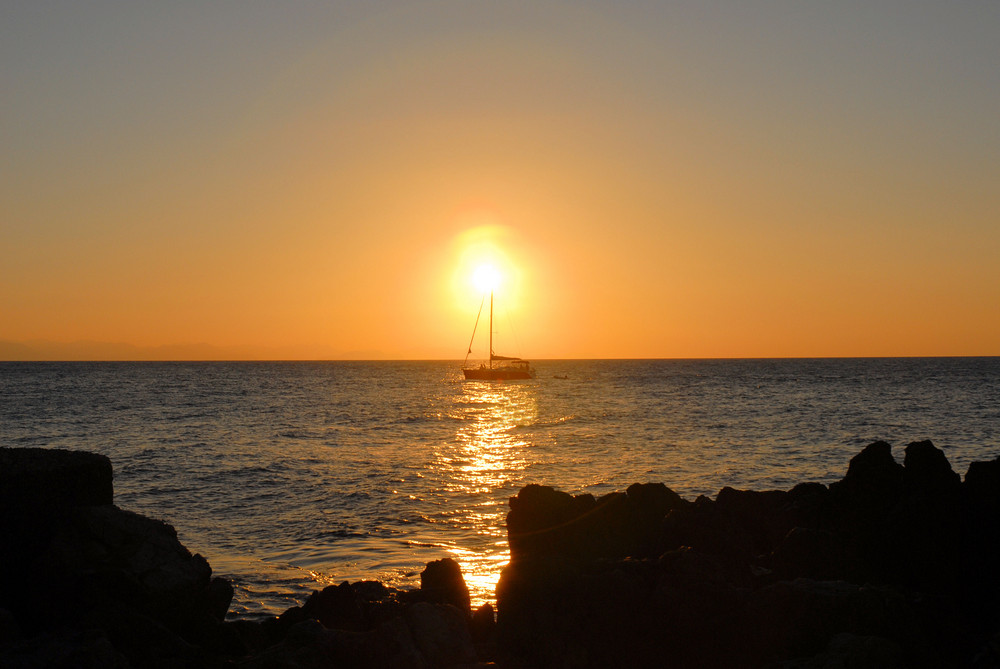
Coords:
499,367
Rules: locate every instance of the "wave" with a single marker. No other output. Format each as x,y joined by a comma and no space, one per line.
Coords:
542,424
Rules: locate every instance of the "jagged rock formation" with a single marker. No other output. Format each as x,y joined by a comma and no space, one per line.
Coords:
895,565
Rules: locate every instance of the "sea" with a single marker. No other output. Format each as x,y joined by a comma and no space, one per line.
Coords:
290,476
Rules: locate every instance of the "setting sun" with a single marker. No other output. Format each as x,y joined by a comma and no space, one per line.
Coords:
487,258
486,278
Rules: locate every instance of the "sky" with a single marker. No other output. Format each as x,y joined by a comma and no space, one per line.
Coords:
304,180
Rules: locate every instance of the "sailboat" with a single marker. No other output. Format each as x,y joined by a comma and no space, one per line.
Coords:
500,367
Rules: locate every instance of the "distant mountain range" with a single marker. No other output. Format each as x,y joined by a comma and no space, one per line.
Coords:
42,350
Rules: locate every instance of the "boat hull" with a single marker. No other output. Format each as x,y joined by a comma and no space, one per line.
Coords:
497,374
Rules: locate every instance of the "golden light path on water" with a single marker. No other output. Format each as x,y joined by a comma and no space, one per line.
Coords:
488,454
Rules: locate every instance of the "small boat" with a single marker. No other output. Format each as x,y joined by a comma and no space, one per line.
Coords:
499,367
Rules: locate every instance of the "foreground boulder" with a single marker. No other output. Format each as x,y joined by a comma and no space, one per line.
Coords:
894,565
86,584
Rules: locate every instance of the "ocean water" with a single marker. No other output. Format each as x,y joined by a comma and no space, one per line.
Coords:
289,476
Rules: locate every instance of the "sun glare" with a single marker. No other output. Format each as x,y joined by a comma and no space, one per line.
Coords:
486,260
486,278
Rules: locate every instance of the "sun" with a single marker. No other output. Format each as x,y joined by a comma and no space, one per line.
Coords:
486,278
486,260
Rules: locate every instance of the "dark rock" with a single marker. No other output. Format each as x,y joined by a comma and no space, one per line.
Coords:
135,558
441,582
69,649
873,478
9,629
850,650
37,480
982,482
483,629
307,645
810,552
758,515
924,543
336,607
38,488
545,522
926,471
982,490
441,633
219,597
100,583
988,656
554,613
807,505
891,566
541,520
799,617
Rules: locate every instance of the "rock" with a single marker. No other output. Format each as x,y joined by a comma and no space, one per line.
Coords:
850,650
9,629
336,607
74,649
102,584
39,480
483,622
546,522
982,490
800,618
982,481
219,597
873,478
926,471
483,629
441,633
554,613
441,582
891,566
925,541
810,552
894,565
756,515
138,559
307,645
540,520
38,487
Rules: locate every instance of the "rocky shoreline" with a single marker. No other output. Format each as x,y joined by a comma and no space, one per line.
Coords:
895,565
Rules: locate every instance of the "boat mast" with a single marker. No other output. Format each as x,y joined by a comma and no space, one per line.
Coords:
491,329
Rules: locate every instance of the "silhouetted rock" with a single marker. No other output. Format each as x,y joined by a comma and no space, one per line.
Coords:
483,629
336,607
543,521
809,552
983,483
926,471
441,582
894,565
850,650
87,583
441,632
33,480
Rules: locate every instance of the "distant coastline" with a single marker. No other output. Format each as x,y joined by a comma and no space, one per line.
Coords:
45,350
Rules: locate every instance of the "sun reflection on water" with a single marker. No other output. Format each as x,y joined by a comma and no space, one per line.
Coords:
484,466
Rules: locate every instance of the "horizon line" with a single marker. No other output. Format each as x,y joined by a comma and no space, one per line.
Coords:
459,361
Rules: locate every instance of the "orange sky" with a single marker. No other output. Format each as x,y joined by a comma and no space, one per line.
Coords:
698,180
